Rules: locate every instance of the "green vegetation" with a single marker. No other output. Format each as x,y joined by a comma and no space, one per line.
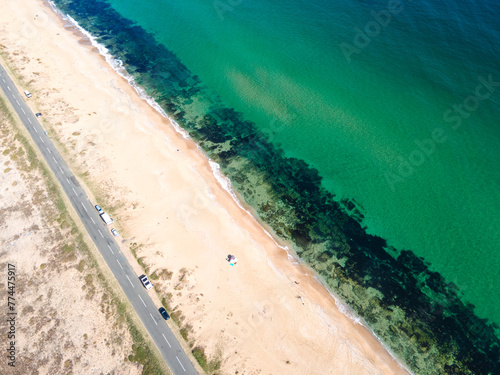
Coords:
134,246
210,367
67,248
163,274
68,364
166,274
143,354
199,354
81,266
165,301
143,265
177,317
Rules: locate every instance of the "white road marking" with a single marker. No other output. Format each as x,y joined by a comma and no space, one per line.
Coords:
31,123
41,140
129,279
119,264
67,180
23,110
142,300
110,249
180,363
3,80
153,319
92,220
100,233
166,340
74,191
8,87
55,160
61,170
85,208
48,149
18,103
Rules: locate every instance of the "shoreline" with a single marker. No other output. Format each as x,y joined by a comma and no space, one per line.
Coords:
279,259
342,307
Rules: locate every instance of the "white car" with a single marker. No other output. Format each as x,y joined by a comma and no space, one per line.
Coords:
145,281
115,232
27,93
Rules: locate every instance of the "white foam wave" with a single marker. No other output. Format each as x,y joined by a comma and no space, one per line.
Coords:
347,311
226,185
118,67
224,182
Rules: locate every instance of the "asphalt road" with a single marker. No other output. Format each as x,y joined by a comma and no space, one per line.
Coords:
159,331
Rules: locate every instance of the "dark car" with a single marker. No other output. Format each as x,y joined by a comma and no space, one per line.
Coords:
38,114
164,313
99,209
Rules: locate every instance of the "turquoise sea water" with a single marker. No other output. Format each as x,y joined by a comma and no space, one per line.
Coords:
393,109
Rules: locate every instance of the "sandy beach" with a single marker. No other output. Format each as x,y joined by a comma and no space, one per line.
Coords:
265,315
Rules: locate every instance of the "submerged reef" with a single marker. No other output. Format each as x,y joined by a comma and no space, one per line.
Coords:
418,314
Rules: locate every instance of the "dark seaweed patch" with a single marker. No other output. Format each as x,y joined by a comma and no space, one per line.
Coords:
413,309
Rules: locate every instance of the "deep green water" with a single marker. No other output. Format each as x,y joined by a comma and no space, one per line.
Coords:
392,162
